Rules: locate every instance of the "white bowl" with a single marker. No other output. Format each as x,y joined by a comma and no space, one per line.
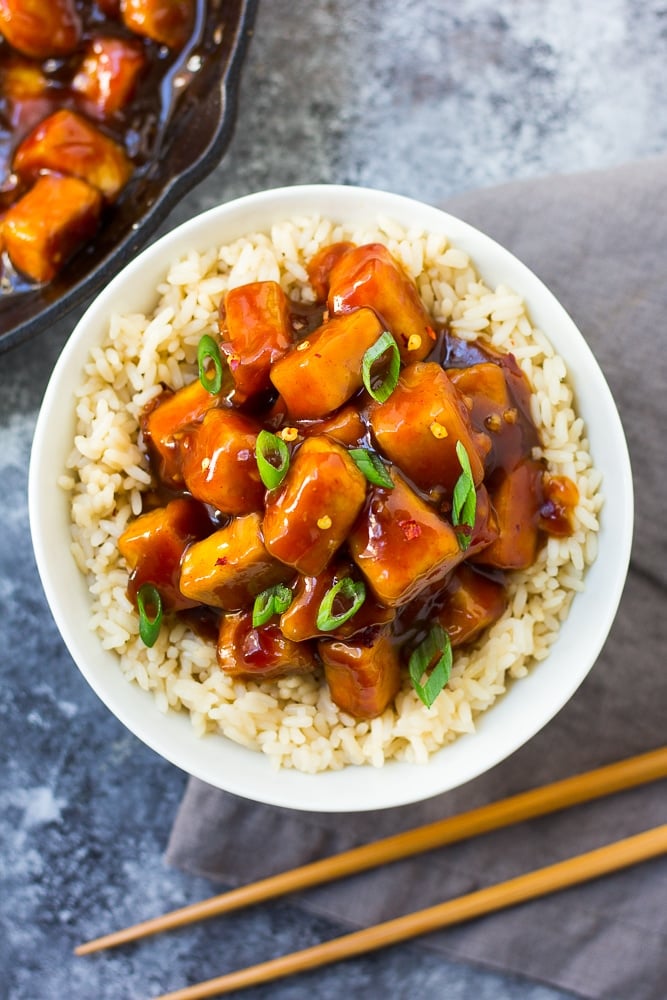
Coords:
529,703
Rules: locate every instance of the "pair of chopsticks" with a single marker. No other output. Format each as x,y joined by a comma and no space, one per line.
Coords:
550,798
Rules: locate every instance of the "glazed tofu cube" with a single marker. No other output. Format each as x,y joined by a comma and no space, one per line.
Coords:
485,384
311,513
219,464
67,143
401,545
320,266
153,547
560,497
299,622
166,424
263,652
231,567
256,330
370,276
363,678
110,8
472,602
26,99
499,399
11,189
485,527
108,75
40,28
168,22
420,424
346,427
516,498
48,224
323,371
21,80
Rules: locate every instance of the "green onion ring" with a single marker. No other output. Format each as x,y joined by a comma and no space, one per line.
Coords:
382,345
464,499
149,628
271,446
351,590
437,641
372,467
208,351
272,601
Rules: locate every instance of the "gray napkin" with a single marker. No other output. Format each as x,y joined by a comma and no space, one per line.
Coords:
599,241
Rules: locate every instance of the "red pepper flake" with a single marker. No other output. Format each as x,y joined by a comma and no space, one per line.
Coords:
221,561
431,332
410,529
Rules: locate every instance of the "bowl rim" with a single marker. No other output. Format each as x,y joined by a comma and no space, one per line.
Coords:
499,730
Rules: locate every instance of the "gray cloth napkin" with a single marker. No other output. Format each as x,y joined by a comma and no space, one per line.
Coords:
599,241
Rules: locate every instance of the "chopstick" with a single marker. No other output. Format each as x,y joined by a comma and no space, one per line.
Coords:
541,882
578,789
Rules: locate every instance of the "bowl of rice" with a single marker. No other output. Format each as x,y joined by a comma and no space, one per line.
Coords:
283,740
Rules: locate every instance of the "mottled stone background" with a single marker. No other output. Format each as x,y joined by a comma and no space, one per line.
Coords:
425,98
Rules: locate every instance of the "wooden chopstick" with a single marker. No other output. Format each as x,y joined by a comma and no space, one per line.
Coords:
541,882
550,798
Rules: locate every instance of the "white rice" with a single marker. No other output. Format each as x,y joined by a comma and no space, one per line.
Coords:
293,719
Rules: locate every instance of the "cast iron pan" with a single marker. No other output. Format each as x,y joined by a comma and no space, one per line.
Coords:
192,143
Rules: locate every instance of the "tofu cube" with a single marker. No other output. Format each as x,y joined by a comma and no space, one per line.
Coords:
499,397
21,80
165,426
50,223
299,622
472,602
168,22
370,276
108,75
323,371
419,426
69,144
311,513
231,567
401,545
320,266
516,497
219,464
346,427
110,8
256,330
40,28
485,527
263,652
153,546
363,678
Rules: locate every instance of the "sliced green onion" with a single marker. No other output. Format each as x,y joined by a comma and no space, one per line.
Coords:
272,601
148,597
464,500
372,467
347,590
381,391
436,642
208,353
272,459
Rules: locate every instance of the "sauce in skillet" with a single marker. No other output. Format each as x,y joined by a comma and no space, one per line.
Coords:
108,71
